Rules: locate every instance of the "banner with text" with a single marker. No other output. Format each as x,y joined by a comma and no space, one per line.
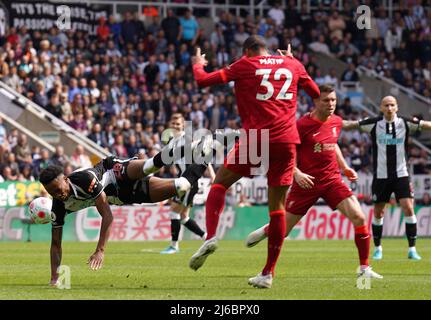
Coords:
138,223
43,15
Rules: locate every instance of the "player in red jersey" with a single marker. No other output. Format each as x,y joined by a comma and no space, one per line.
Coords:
317,175
266,89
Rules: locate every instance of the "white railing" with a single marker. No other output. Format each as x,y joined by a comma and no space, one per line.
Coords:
28,132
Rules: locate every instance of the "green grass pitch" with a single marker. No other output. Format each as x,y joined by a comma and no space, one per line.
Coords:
136,270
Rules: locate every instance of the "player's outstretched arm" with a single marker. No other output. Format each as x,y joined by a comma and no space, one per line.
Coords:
96,260
350,125
203,78
56,253
425,125
342,164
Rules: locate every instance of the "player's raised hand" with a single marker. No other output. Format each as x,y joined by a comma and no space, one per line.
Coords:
199,58
305,181
351,174
95,262
286,53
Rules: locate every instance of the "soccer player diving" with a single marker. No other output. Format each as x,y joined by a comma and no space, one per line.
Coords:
115,182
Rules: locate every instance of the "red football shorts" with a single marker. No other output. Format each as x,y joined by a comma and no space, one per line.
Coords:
333,192
280,165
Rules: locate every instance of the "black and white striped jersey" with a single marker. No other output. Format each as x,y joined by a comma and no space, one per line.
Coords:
390,144
86,185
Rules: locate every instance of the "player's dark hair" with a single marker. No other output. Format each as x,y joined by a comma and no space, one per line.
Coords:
50,173
327,88
254,43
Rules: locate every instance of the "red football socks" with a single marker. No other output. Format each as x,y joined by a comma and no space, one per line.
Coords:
362,241
276,235
213,208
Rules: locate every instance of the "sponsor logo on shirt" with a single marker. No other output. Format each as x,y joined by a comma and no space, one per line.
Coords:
320,147
388,139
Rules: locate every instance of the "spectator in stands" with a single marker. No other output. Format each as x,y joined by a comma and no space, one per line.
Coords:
350,74
129,29
3,134
277,14
40,96
119,150
103,30
22,149
132,146
54,106
79,158
320,46
336,25
26,174
42,163
97,136
172,27
68,169
59,158
346,106
11,78
426,199
189,28
12,138
12,163
8,175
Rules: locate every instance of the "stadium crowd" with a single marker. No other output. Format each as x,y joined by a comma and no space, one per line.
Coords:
120,86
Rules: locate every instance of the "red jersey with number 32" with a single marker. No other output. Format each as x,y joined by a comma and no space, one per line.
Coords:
265,89
316,155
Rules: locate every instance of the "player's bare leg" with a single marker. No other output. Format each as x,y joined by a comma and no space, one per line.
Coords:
162,189
411,226
377,227
351,208
213,209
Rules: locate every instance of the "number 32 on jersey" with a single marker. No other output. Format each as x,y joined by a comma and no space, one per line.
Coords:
266,73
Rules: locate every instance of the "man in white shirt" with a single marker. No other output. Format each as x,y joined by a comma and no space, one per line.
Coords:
276,14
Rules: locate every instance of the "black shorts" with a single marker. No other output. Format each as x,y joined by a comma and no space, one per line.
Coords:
129,190
382,189
137,191
119,167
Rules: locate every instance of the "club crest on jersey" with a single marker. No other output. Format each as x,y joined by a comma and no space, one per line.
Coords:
118,169
270,61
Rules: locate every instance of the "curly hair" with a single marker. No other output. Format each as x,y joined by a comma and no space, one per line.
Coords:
50,173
